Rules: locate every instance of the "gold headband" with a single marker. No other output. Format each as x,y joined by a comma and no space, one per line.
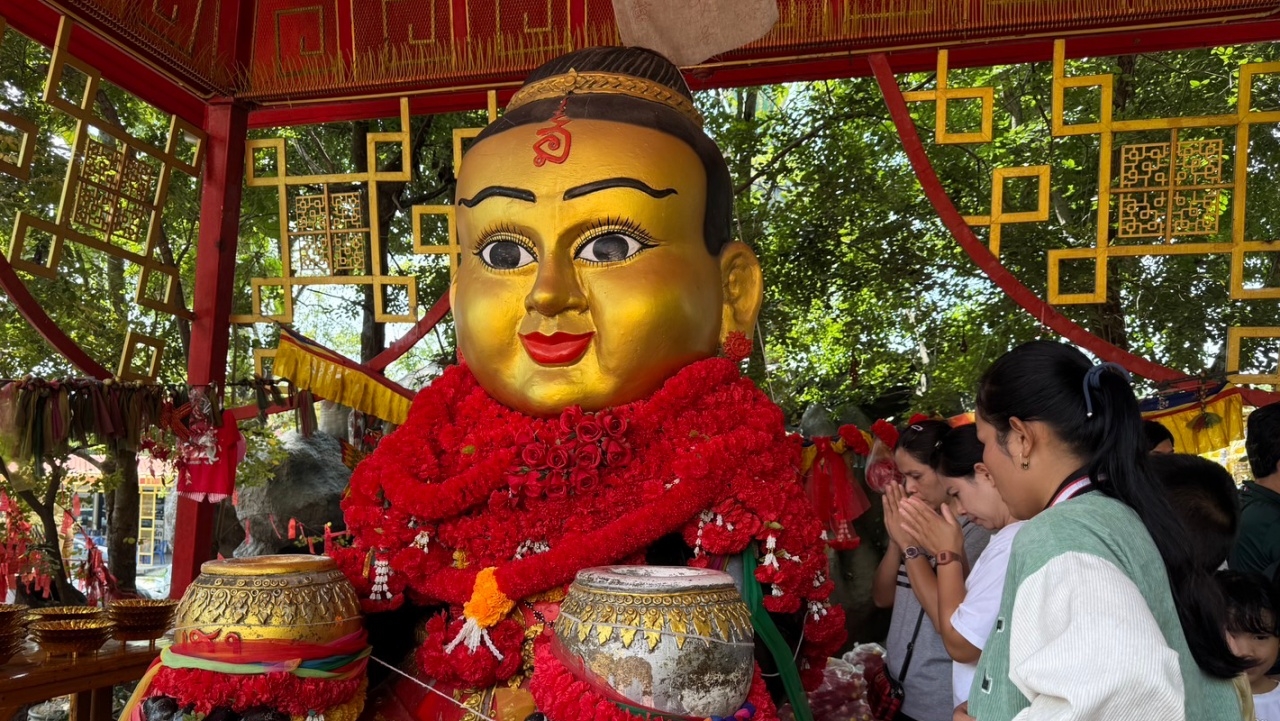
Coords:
558,86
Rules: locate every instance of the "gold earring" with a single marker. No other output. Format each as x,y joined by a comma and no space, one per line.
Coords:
1026,465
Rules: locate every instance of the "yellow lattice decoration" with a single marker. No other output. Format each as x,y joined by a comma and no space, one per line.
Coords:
1235,343
999,216
113,195
1166,191
132,342
450,247
943,94
1163,199
330,237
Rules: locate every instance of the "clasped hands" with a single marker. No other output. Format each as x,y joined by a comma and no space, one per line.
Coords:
910,521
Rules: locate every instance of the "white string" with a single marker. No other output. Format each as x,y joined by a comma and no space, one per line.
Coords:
433,690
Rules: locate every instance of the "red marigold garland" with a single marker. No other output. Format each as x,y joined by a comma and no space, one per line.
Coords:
468,485
854,441
281,691
886,432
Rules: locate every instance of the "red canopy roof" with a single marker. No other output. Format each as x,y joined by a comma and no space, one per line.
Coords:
286,51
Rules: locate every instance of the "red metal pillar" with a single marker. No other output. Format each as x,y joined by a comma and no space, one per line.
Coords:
225,123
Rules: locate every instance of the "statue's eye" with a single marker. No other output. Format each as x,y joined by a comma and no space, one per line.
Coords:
505,255
610,248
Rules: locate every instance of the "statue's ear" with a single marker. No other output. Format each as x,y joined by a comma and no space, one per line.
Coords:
743,289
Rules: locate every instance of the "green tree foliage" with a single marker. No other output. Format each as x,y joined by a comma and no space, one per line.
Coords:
870,303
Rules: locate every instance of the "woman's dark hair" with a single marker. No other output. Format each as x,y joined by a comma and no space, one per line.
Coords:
1203,494
959,452
1262,442
922,440
1156,434
1048,382
717,224
1250,608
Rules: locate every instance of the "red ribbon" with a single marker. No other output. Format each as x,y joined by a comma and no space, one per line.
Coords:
835,496
205,646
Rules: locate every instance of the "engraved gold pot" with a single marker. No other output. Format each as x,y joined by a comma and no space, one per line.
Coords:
675,640
298,598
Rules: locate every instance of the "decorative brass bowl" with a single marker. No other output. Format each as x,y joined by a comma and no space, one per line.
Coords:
676,640
64,613
83,635
142,619
13,614
298,598
12,644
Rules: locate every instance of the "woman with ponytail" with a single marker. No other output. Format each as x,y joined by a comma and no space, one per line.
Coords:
1105,615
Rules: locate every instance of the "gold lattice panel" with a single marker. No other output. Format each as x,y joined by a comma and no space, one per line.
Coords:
943,95
1168,194
450,247
1235,346
134,345
1000,216
113,194
329,234
1166,197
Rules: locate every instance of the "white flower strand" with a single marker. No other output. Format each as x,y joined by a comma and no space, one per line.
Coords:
472,636
381,574
770,559
423,541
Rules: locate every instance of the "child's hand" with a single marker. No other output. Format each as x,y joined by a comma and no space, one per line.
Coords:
962,713
934,532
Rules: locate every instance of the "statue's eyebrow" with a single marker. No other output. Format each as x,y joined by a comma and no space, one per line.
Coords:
498,191
598,185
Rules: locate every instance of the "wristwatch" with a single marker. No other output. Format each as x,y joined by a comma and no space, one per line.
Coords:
911,552
945,557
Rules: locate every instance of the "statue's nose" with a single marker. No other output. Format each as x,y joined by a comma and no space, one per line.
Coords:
556,289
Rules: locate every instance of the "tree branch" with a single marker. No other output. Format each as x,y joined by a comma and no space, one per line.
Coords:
787,149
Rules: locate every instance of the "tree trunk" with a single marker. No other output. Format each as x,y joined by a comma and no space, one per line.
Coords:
373,335
44,510
122,533
67,593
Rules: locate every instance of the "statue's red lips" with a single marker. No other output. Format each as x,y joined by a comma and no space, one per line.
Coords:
557,348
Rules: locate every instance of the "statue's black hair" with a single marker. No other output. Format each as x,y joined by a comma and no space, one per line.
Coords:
647,65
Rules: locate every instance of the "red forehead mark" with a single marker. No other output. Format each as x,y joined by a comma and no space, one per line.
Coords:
554,140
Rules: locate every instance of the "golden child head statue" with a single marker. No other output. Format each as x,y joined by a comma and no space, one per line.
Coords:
595,219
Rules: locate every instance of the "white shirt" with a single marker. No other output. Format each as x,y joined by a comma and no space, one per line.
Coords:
1266,706
976,615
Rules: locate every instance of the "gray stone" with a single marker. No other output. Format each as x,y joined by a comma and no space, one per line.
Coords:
817,422
307,486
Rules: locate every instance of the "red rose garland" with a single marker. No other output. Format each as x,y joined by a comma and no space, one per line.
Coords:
476,506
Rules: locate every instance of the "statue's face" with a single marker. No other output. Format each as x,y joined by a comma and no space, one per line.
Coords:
587,282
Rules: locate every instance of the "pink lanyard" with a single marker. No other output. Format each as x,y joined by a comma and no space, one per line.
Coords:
1071,490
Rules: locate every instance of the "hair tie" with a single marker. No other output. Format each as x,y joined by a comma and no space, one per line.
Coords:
1093,380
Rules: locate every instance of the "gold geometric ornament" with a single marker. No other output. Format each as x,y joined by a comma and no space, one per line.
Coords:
132,342
1235,337
1170,192
945,93
999,216
450,247
329,233
113,195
